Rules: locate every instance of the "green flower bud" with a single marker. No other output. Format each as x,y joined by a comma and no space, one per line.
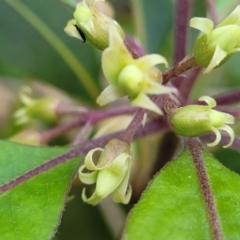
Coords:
91,24
110,173
29,137
197,120
43,108
217,44
135,78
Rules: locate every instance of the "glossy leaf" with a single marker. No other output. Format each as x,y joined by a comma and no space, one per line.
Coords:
173,208
32,209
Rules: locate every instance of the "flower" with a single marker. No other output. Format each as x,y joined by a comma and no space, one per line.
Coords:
91,24
130,77
42,108
27,136
217,44
197,120
111,173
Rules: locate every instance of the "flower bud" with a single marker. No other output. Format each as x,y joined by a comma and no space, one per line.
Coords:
135,78
92,25
29,137
197,120
42,108
110,173
217,44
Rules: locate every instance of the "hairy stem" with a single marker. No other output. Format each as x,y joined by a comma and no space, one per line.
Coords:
193,145
134,125
181,26
179,69
81,149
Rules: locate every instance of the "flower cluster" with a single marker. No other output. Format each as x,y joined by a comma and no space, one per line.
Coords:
90,24
110,173
135,78
197,120
42,108
217,44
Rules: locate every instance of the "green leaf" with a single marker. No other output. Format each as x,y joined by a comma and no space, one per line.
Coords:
32,209
49,53
172,207
153,21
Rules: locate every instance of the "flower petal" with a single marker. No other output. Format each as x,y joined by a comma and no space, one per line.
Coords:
89,164
218,137
210,101
87,178
143,101
124,191
203,24
149,61
153,87
109,94
72,31
107,182
93,200
233,18
116,56
218,56
230,131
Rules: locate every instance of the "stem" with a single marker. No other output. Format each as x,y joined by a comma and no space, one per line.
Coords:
135,50
211,10
193,145
228,98
53,133
181,26
150,128
187,85
58,45
179,69
91,116
84,132
136,122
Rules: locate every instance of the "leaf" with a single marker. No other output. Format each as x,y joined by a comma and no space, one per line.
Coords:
56,58
172,207
32,209
153,21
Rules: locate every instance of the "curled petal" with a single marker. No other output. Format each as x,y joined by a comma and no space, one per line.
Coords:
149,61
89,164
232,19
123,192
217,58
203,24
93,200
118,166
107,182
218,137
231,134
143,101
109,94
229,119
87,178
210,101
